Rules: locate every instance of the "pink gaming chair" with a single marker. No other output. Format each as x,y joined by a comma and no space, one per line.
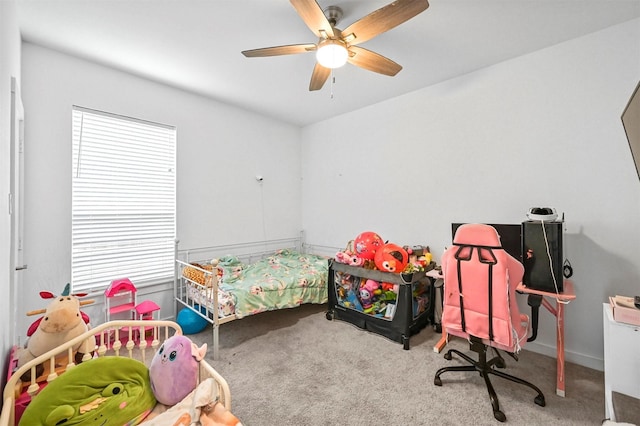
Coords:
480,305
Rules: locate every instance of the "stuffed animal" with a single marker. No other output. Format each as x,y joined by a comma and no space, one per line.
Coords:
366,244
348,258
366,298
62,321
391,258
368,291
419,258
174,369
106,390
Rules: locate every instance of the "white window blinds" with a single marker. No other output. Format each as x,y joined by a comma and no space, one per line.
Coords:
123,200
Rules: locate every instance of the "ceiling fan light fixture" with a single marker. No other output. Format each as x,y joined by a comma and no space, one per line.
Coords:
336,47
332,53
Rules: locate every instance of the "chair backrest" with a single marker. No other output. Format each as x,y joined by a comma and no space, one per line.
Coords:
480,280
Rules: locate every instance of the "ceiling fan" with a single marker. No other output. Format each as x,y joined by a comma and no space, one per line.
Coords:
335,47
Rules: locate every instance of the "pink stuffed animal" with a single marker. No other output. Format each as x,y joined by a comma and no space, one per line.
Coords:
368,290
347,257
174,369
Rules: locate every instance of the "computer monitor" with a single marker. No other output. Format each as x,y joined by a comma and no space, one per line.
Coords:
631,122
510,237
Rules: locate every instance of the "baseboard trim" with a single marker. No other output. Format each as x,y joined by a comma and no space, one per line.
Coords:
569,356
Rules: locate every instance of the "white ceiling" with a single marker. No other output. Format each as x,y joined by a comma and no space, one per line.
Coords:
195,44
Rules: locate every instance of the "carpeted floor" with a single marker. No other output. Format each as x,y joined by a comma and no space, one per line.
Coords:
294,367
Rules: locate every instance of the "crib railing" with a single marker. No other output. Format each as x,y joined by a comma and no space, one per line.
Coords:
131,338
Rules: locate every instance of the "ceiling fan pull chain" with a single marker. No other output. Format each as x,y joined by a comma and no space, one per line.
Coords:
333,80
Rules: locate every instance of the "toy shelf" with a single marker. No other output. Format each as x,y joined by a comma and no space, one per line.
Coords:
120,298
122,293
145,311
122,308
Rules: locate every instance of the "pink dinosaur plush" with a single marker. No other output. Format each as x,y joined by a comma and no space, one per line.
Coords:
349,258
174,369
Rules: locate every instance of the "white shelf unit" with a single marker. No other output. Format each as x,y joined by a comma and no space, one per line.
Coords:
621,360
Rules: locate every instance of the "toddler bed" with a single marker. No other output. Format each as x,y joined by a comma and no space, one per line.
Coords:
125,358
236,281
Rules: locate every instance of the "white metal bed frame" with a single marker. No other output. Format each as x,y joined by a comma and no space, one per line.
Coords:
247,252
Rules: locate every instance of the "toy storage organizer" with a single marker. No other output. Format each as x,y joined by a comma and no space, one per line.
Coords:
400,308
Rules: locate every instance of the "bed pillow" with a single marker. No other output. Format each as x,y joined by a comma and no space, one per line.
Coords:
229,260
232,269
113,390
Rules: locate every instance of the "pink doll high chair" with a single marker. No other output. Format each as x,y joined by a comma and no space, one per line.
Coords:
480,305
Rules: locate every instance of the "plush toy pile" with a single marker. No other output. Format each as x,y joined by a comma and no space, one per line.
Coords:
370,251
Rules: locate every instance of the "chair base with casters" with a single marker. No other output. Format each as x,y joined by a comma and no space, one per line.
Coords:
485,368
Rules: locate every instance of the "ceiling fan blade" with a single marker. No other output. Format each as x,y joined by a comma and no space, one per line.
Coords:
319,77
372,61
290,49
312,15
383,19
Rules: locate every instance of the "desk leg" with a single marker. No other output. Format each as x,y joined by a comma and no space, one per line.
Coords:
560,348
441,343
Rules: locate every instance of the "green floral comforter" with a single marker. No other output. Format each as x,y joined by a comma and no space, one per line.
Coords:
284,280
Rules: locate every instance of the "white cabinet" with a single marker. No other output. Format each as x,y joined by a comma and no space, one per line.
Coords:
621,359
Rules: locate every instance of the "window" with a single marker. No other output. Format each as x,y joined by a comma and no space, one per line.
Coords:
123,200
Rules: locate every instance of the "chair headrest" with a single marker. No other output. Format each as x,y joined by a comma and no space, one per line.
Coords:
477,234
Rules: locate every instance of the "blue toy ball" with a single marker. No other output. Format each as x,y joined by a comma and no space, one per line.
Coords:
190,322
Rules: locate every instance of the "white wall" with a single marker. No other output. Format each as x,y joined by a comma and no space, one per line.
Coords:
9,67
539,130
220,151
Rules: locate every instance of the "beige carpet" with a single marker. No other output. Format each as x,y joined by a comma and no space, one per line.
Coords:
294,367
